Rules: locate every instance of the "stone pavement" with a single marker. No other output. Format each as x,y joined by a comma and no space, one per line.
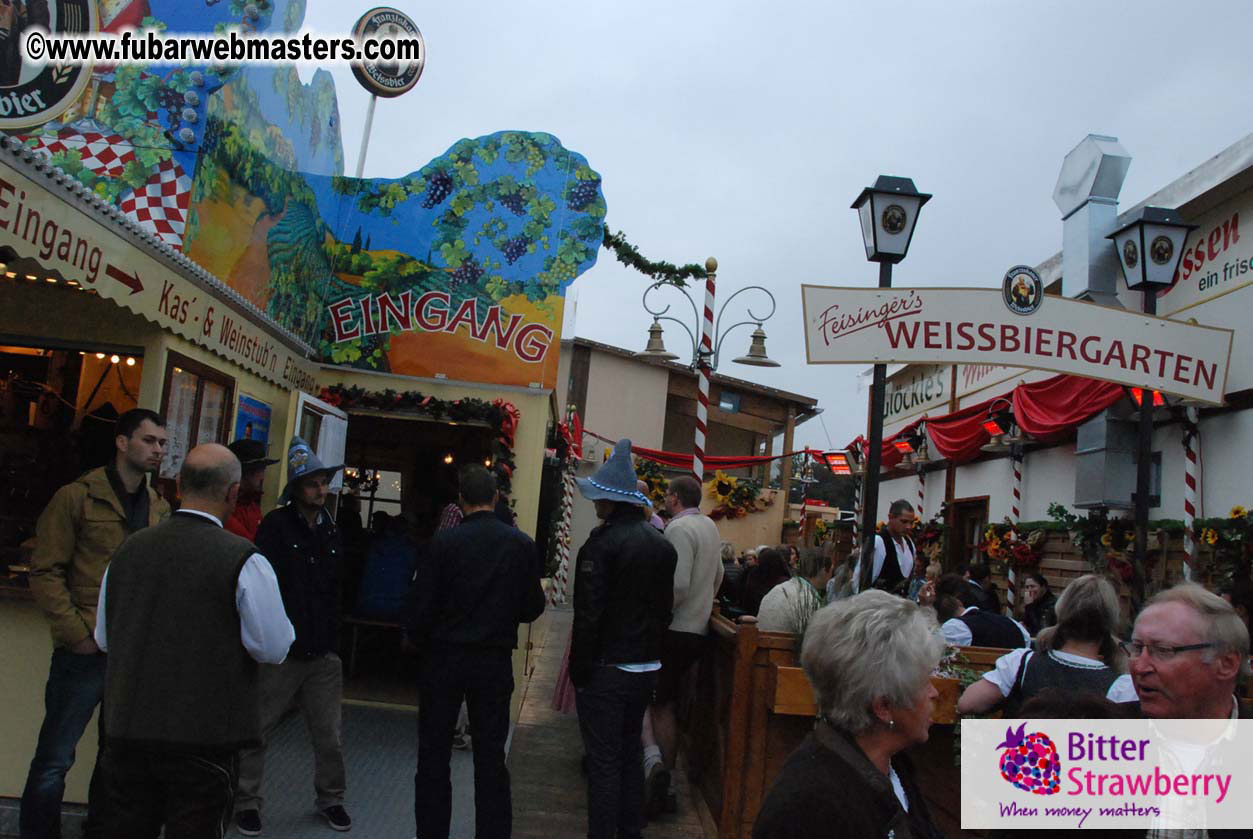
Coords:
549,792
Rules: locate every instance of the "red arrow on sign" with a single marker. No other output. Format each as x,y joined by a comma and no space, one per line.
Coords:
131,281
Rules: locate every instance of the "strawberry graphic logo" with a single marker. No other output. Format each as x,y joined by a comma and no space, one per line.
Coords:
1030,762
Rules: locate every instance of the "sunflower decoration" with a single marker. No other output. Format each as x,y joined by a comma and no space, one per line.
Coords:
650,473
1107,538
1239,513
1209,536
821,529
721,488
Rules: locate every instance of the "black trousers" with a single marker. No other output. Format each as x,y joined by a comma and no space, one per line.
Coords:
192,795
611,717
483,678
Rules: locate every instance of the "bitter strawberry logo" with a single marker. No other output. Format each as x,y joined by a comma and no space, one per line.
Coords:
1030,761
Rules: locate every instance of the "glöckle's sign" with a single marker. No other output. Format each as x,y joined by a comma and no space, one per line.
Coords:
973,326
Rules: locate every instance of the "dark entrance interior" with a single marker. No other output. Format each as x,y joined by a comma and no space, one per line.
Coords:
970,517
405,474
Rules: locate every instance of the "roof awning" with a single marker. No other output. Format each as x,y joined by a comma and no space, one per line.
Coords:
52,229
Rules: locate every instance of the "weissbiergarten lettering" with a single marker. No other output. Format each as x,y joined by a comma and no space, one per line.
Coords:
972,327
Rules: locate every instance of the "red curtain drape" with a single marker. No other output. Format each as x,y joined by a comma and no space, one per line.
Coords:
1045,410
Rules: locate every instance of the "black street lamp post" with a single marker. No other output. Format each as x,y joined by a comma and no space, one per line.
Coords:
1149,249
888,212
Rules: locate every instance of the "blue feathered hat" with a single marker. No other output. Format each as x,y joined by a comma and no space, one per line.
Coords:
303,462
615,481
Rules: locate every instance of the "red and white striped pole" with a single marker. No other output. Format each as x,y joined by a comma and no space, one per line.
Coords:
1015,515
1190,445
922,492
704,358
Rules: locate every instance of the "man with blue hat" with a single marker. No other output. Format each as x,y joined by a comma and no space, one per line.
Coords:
303,545
623,595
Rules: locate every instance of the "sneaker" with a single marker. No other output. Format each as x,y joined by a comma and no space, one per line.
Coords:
337,818
461,742
248,822
656,788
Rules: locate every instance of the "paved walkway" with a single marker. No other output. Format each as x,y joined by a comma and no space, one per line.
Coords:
549,792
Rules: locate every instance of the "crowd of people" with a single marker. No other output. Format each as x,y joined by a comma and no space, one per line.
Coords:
196,630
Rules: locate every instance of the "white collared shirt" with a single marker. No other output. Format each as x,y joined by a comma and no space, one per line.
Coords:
956,632
266,632
904,558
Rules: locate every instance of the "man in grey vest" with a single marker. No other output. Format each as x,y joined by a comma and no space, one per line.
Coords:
186,611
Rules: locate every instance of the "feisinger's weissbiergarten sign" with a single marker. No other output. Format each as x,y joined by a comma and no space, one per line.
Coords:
973,326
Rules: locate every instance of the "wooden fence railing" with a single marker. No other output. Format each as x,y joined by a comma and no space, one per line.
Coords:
748,705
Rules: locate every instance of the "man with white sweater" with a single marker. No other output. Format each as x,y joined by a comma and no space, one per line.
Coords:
697,576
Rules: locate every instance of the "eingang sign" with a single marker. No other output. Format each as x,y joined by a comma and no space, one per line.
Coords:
972,326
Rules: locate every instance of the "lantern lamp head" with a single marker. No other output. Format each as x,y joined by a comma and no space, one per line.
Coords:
1150,246
888,212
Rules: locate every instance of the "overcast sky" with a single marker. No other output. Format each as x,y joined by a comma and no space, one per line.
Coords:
744,131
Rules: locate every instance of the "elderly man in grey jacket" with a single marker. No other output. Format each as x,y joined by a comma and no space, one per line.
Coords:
697,576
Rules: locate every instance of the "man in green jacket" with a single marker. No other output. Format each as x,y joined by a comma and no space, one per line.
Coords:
77,533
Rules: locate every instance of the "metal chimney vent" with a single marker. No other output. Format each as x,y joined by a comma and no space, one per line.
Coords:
1105,471
1087,194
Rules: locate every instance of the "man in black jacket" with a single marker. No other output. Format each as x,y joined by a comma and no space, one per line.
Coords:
473,586
303,544
623,595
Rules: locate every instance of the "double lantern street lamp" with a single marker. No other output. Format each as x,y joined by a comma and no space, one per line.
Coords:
1149,248
706,352
888,212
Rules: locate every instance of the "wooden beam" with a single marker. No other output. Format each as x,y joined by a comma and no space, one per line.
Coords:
746,422
789,429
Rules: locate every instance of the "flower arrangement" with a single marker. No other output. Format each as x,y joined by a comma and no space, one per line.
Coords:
931,538
649,471
1008,543
736,497
821,529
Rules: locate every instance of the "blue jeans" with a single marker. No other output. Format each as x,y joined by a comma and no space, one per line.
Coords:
75,688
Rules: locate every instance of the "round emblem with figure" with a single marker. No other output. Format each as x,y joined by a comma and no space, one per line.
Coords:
390,75
1023,290
35,92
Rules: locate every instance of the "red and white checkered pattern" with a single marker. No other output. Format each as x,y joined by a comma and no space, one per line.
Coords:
162,204
105,155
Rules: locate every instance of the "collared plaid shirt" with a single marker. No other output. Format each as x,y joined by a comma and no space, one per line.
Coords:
450,517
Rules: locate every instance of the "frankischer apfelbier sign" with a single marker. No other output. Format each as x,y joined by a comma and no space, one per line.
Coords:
973,326
1134,775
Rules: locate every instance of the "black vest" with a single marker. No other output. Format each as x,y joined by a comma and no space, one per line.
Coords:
1044,671
890,578
178,677
991,630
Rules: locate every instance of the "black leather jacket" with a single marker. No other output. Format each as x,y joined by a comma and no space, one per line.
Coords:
623,595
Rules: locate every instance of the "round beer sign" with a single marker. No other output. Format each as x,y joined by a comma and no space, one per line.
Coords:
399,65
1022,290
32,93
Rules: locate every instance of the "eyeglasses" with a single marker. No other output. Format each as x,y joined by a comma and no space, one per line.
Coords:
1159,652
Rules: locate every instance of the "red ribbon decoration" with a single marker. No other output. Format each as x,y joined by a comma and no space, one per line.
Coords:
509,425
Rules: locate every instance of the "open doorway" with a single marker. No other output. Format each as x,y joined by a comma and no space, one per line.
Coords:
401,472
970,517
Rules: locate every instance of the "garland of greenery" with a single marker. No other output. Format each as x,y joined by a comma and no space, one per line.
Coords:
666,272
649,471
499,416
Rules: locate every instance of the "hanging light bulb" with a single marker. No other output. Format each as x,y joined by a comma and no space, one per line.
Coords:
114,359
448,458
130,362
100,356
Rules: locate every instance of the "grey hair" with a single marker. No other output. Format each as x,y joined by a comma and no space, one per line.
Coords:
812,562
1224,629
870,646
209,481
